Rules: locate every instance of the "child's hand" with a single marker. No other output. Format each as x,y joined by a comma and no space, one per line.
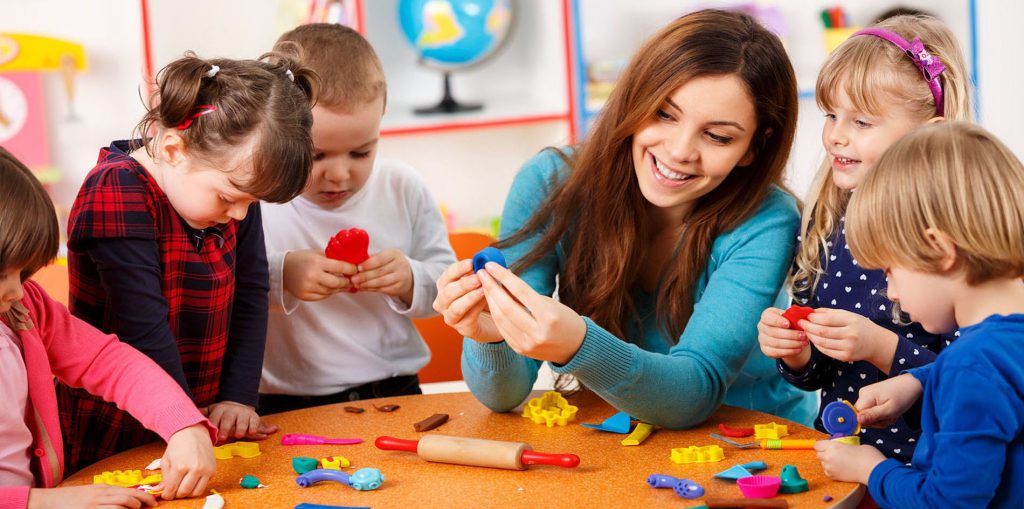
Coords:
779,341
188,463
235,420
311,276
460,300
90,496
848,463
882,403
848,337
386,272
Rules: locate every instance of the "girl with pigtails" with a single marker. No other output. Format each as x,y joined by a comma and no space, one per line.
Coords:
165,240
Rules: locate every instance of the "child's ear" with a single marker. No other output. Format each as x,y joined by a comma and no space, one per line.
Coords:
935,120
944,243
171,148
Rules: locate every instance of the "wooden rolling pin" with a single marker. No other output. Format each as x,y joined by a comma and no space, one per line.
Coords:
477,452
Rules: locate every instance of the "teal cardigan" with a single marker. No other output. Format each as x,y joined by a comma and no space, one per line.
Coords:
715,361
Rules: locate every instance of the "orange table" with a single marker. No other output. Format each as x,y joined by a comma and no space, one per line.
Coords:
610,475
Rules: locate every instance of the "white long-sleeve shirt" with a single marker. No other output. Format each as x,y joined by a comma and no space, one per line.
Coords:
349,339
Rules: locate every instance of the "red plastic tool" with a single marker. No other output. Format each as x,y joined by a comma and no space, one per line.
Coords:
796,313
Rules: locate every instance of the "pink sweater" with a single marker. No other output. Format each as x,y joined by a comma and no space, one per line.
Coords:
55,343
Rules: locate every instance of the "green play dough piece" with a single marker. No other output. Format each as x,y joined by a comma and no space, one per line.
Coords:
302,465
791,480
249,482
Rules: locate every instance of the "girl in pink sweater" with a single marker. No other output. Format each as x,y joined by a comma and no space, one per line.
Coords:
40,339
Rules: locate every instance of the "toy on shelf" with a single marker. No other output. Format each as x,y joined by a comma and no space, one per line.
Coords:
618,423
759,486
488,254
768,444
697,454
551,408
796,313
301,439
240,449
770,431
840,421
639,434
477,452
735,432
364,479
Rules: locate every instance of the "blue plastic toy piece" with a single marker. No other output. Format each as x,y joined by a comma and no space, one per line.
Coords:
661,481
754,466
488,254
733,473
688,489
366,479
618,423
840,419
321,475
683,487
320,506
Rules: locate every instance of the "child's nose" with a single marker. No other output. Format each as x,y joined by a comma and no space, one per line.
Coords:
337,173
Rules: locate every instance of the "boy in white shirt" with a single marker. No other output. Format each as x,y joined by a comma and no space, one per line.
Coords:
326,344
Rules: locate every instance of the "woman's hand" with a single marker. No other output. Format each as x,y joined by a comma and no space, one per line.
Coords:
460,300
779,341
188,463
533,325
848,337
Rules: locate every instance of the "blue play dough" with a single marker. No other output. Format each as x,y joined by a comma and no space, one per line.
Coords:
488,254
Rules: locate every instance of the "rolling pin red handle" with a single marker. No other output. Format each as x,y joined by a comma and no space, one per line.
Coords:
396,444
555,460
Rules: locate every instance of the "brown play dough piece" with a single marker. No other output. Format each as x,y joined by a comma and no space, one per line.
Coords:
431,422
354,409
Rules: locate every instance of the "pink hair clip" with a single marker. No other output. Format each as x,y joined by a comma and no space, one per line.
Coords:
199,111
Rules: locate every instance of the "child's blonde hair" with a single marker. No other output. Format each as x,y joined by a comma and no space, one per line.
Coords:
871,70
956,178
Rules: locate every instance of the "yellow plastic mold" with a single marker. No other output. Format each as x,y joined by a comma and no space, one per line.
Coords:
550,409
770,431
697,454
126,478
240,449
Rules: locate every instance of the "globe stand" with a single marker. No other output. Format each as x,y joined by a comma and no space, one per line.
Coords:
448,103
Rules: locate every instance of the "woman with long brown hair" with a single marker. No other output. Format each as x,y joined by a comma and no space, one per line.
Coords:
666,232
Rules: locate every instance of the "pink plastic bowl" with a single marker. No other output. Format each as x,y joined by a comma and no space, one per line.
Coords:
759,486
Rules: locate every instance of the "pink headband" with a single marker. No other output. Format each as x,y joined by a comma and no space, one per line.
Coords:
930,65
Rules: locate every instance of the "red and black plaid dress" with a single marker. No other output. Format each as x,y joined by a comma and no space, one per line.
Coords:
195,301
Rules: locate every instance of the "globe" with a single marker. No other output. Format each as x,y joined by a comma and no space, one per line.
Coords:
454,34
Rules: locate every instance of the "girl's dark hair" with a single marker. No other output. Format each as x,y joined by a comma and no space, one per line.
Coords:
271,97
599,212
29,234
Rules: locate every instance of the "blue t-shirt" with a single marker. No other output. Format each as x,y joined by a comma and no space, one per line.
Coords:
846,285
971,450
674,384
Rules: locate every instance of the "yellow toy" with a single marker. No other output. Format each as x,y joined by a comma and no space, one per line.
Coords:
695,454
639,434
334,462
770,431
550,409
126,478
240,449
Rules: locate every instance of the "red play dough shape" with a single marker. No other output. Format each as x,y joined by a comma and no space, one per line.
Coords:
796,313
349,246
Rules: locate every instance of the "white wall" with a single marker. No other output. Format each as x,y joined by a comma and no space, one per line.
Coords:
470,170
